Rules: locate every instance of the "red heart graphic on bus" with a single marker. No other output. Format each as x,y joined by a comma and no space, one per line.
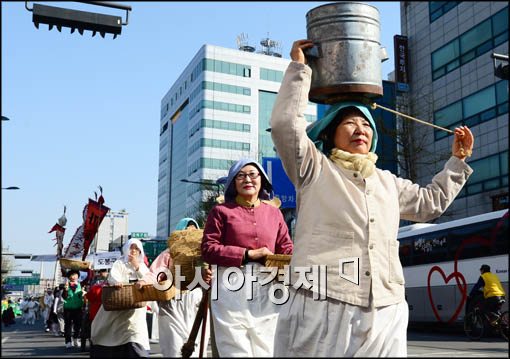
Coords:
458,276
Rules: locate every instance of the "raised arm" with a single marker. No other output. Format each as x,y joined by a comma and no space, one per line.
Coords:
299,156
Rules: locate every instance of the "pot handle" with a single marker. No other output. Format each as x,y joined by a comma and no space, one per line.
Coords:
314,52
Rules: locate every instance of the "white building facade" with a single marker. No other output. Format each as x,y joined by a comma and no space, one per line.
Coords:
452,82
215,113
113,226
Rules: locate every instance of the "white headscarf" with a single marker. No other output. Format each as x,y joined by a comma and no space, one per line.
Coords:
125,250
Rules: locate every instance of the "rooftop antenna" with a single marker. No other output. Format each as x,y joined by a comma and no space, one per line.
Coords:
270,47
242,43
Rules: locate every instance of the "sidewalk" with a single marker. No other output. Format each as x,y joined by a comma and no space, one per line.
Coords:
21,340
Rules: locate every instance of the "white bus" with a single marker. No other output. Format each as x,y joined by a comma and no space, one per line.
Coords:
442,263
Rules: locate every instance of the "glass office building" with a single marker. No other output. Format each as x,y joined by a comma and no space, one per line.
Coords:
215,113
452,82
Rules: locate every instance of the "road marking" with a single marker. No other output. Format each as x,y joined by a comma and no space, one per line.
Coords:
4,339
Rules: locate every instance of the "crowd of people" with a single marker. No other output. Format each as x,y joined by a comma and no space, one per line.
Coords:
347,207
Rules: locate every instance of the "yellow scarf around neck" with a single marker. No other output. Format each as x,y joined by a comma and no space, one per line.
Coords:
365,164
242,202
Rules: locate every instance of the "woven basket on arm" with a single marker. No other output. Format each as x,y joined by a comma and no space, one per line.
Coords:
278,260
123,298
149,293
67,263
185,250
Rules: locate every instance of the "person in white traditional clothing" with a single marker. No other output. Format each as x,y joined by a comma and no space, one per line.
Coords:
349,210
48,304
57,312
122,333
176,316
24,310
32,307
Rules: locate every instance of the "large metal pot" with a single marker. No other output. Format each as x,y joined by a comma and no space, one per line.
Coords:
346,59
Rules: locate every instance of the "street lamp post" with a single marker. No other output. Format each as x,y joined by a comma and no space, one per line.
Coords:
204,183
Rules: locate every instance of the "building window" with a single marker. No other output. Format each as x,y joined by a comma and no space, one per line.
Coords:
482,38
439,8
482,106
223,106
227,67
165,127
490,173
216,86
271,75
225,125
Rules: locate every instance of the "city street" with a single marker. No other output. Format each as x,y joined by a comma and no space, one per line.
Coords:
31,341
432,343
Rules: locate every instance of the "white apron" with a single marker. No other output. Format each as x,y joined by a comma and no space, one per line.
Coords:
175,321
242,327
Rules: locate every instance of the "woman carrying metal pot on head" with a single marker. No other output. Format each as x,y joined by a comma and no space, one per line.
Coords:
238,236
348,218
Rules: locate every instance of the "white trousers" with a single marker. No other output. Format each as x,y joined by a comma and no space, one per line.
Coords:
175,321
243,327
331,328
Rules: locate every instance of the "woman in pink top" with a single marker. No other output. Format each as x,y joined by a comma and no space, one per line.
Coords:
240,233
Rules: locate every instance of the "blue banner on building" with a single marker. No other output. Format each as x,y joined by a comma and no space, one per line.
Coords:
282,186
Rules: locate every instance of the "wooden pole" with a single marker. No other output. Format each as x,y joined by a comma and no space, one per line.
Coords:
375,105
189,347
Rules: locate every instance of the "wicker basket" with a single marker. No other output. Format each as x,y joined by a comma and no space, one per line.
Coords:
277,260
150,293
185,250
123,298
67,263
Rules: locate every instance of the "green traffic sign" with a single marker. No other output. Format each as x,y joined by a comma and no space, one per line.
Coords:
139,234
23,280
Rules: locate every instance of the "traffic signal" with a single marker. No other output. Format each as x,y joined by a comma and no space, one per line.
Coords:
76,20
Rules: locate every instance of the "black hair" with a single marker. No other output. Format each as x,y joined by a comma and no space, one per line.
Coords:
485,268
71,272
327,135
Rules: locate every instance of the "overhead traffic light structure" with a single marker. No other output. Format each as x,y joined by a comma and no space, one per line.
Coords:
79,20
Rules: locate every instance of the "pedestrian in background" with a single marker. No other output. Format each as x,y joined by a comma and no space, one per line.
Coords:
73,309
48,303
30,309
348,208
8,316
241,232
493,293
122,333
176,316
57,312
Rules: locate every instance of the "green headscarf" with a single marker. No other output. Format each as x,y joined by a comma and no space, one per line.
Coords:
313,131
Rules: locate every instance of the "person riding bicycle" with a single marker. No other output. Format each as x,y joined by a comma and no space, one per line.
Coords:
493,292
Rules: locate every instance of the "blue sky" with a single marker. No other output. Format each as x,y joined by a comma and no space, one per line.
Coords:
84,111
